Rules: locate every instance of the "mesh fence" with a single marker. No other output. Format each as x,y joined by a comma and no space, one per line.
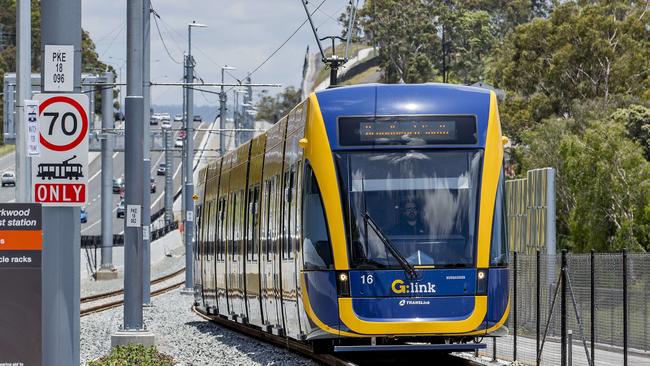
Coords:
539,278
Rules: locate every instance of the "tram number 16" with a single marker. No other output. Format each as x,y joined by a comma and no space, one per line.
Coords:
367,279
68,116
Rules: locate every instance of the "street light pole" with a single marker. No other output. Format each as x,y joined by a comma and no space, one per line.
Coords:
222,110
188,184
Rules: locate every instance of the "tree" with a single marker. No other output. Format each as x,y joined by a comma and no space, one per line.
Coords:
271,108
344,21
637,121
584,50
603,182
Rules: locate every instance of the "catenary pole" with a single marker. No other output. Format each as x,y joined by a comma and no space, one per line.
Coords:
146,194
133,328
23,91
169,183
188,184
61,25
106,270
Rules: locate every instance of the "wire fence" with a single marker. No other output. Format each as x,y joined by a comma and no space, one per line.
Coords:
595,307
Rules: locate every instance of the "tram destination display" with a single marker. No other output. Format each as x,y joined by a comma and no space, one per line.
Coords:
59,174
407,130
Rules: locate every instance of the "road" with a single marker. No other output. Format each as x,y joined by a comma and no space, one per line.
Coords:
93,205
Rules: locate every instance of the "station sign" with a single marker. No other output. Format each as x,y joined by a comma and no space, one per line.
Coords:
20,283
60,172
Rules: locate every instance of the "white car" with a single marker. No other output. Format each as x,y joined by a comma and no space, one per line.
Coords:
165,124
8,178
178,142
178,118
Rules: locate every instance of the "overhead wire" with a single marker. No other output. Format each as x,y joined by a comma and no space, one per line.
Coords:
156,16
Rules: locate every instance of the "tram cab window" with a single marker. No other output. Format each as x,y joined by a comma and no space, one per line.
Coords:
317,251
499,245
423,202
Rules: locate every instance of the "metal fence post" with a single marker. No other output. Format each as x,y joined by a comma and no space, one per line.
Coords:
625,330
538,295
570,347
494,349
563,314
593,308
514,313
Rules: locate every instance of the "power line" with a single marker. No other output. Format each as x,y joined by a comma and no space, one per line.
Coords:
286,41
155,19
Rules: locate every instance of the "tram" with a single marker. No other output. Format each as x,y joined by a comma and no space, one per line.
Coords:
370,217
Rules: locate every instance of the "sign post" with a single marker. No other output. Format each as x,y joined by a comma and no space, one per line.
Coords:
59,174
20,284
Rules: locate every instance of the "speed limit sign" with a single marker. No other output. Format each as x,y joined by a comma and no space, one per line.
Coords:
60,173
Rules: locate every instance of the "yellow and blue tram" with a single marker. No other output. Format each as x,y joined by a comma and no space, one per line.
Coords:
370,217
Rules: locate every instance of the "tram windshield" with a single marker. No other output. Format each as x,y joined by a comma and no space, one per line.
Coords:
424,202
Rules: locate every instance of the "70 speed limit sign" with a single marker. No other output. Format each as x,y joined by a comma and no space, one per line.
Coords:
60,173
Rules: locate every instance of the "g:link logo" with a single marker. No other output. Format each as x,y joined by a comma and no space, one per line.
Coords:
399,287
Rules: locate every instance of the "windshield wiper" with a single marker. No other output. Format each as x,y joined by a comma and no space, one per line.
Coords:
408,268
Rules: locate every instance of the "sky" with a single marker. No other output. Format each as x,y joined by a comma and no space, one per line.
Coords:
239,33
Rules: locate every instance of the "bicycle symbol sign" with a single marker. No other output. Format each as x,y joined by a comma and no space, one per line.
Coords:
58,174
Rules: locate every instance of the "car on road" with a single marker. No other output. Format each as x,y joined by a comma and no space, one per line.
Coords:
9,178
165,116
118,185
83,215
152,181
197,118
120,209
165,124
178,118
155,119
178,142
162,169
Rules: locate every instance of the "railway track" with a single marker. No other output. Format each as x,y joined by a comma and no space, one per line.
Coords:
108,300
343,359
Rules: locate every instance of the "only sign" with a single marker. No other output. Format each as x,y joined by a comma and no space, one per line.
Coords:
60,173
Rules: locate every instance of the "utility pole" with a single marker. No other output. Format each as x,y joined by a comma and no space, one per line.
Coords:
60,25
23,91
222,111
146,194
106,270
188,184
133,330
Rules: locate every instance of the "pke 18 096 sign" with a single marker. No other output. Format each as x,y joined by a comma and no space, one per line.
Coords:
59,174
59,68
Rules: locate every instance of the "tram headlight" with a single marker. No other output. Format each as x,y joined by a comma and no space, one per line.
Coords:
481,281
343,284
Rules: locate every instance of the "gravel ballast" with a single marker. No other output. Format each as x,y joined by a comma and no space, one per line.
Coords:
188,338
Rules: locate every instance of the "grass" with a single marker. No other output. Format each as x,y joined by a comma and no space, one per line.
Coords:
362,77
6,149
134,354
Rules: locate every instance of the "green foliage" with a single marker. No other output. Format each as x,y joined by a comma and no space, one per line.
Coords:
583,50
637,121
271,108
603,181
134,354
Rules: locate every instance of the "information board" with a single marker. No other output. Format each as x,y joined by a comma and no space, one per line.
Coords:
20,284
58,73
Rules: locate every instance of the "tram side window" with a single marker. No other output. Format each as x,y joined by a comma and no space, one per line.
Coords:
267,219
499,245
253,224
317,251
233,236
287,250
222,226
